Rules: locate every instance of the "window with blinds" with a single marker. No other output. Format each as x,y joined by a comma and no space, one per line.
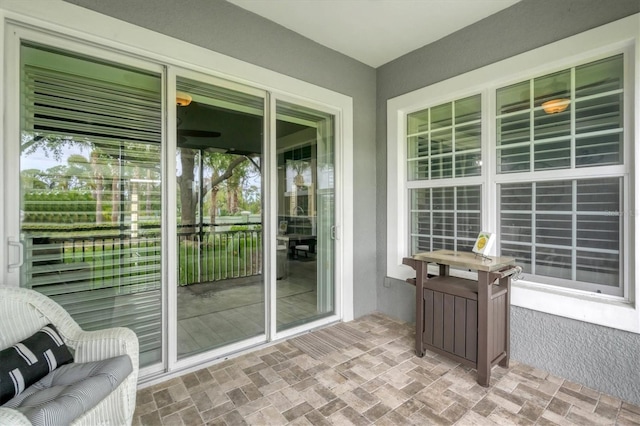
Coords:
444,145
566,231
90,184
444,141
568,119
444,218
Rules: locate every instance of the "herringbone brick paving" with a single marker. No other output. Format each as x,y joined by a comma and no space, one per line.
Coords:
377,380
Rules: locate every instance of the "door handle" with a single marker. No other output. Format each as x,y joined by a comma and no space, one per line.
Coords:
334,232
12,242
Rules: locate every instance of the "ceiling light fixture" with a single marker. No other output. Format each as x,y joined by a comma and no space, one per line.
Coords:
555,106
559,101
183,99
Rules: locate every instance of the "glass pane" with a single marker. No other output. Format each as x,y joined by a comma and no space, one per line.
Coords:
449,217
578,232
599,150
601,268
418,170
220,281
306,213
522,253
90,188
468,137
516,227
443,198
514,129
441,167
441,243
418,146
468,198
598,114
418,122
421,199
468,156
554,196
553,262
441,116
516,196
551,87
418,152
552,155
468,109
441,142
554,229
468,164
548,126
512,160
513,98
600,77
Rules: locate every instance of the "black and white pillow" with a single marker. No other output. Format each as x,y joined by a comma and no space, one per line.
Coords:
26,362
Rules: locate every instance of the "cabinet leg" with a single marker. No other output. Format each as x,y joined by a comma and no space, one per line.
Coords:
420,277
485,337
505,362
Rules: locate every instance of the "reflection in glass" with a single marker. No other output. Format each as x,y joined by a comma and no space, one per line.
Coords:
220,281
305,148
565,229
444,141
444,218
574,119
90,191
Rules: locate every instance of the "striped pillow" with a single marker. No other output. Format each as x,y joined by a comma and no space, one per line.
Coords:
26,362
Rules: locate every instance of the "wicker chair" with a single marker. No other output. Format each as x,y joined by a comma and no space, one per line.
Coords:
23,312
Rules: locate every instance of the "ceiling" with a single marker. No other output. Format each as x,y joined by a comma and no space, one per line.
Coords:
374,31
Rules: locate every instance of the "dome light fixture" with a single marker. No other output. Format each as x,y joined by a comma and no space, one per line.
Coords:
555,106
183,99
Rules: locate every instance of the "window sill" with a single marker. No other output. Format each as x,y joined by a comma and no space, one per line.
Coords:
592,308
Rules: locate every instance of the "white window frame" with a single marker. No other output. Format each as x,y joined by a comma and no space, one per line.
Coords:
609,39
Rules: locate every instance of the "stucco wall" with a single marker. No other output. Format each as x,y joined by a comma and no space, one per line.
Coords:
598,357
225,28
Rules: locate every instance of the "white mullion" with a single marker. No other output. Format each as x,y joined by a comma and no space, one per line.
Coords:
430,219
429,144
489,209
270,244
532,124
574,229
533,227
453,140
572,96
455,217
171,244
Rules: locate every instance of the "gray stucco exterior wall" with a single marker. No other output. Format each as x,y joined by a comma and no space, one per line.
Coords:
225,28
601,358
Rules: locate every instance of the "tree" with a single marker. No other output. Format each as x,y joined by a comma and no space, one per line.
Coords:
223,167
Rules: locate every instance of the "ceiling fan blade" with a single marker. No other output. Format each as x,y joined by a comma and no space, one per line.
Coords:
198,133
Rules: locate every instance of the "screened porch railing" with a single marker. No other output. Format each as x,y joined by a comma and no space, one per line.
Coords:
114,279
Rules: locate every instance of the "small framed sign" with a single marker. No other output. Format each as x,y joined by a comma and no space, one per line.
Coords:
282,227
484,242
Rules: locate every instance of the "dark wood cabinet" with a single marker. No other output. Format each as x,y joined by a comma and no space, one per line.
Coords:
465,320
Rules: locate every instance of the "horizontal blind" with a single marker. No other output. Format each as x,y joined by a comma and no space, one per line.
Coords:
91,191
587,133
444,141
569,230
444,218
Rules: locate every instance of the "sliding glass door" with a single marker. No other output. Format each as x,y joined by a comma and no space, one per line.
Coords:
130,211
90,190
221,287
305,146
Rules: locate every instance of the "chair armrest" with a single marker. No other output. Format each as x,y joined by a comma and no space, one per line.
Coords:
102,344
11,417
